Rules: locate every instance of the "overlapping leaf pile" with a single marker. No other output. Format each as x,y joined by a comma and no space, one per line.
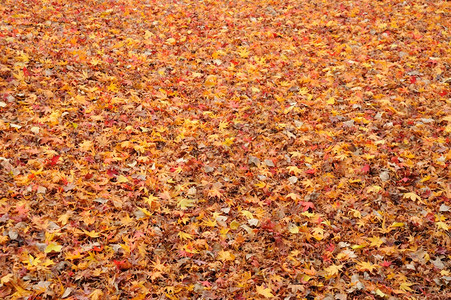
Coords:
224,149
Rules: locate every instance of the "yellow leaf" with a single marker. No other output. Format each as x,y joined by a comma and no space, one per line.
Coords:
86,145
215,192
228,142
6,278
211,81
293,196
425,178
152,201
333,270
171,41
266,292
184,236
145,211
374,189
96,294
35,130
121,179
92,233
261,184
223,125
375,241
125,247
397,224
412,196
53,247
294,170
184,203
3,239
318,233
247,214
112,87
355,180
405,286
296,154
72,256
234,225
442,225
292,228
255,90
148,34
380,293
243,52
63,219
357,246
366,266
225,255
331,101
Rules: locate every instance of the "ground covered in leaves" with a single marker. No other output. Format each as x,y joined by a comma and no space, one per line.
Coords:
225,149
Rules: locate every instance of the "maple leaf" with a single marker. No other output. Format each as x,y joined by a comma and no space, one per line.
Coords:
211,81
307,205
366,266
405,286
294,170
375,241
293,228
184,236
412,196
318,233
225,256
365,169
266,292
92,234
385,264
121,179
53,247
152,201
185,203
293,196
333,270
215,192
165,195
97,294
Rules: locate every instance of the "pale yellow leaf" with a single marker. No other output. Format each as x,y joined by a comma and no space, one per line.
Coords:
266,292
53,247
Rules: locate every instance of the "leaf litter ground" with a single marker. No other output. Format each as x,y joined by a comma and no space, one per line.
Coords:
225,149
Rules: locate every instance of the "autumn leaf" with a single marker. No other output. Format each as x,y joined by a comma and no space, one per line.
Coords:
184,235
225,256
96,294
293,228
405,286
211,81
215,192
333,270
121,179
366,266
53,247
266,292
185,203
412,196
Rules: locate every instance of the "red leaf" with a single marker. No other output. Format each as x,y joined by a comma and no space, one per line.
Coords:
307,205
52,162
330,247
385,264
112,172
311,171
365,169
26,72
